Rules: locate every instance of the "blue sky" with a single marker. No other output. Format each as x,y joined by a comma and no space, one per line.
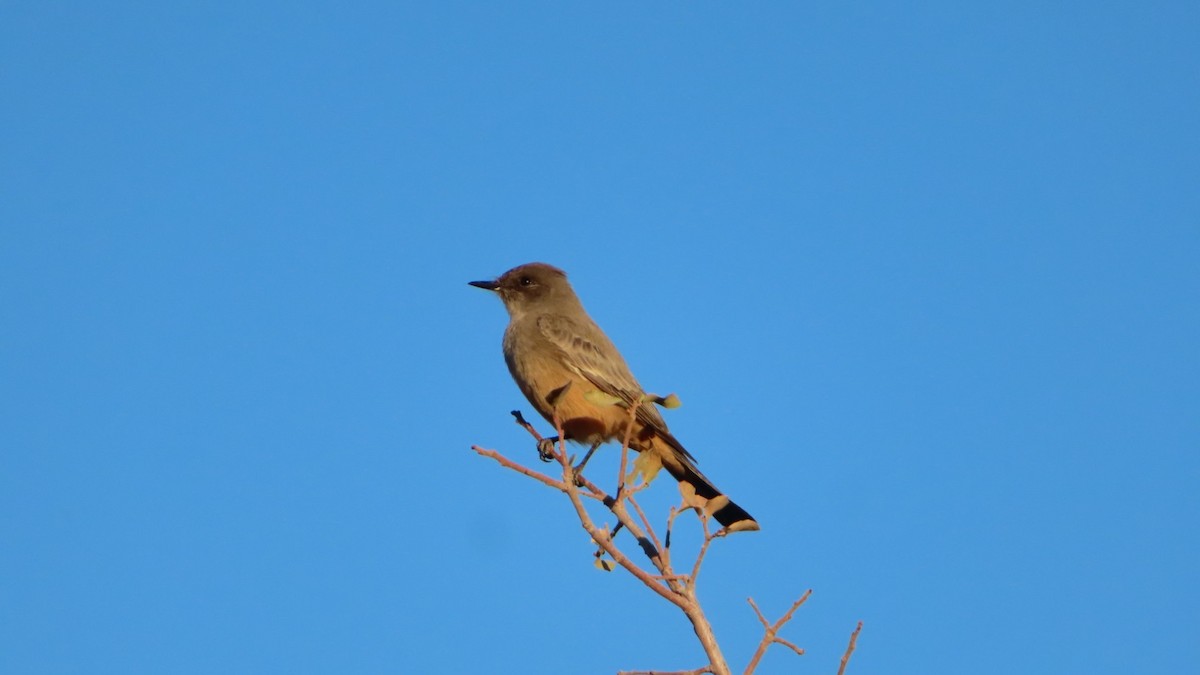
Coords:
924,277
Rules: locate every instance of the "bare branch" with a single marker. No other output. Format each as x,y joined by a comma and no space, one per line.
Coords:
849,649
601,537
663,552
592,491
528,427
799,651
762,619
703,547
519,468
770,632
625,452
677,589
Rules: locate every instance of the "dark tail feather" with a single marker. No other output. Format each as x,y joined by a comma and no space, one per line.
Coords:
733,517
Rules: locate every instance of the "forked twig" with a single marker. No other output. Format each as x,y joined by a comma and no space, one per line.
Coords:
770,631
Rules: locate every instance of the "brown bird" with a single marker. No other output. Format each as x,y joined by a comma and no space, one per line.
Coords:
557,355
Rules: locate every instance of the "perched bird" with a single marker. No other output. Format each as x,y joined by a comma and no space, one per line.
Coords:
557,355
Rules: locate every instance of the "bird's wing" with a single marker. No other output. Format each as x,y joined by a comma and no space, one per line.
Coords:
588,352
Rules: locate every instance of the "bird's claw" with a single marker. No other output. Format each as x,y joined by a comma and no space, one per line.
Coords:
545,448
577,474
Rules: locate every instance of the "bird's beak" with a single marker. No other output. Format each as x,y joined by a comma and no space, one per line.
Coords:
486,285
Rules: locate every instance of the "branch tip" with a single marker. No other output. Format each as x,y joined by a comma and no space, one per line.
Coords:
849,649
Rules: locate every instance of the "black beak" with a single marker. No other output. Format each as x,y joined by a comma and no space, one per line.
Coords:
486,285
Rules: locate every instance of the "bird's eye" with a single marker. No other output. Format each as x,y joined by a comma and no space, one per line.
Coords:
526,281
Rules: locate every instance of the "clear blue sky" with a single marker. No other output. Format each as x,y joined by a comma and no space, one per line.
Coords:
924,276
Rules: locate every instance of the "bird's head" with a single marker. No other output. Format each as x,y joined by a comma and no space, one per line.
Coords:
528,286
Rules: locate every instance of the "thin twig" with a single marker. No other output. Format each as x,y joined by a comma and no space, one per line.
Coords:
592,491
703,548
520,468
625,453
560,454
790,645
849,649
601,537
528,427
671,514
650,530
770,632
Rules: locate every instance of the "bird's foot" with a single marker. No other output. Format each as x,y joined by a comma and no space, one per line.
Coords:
577,470
577,474
545,448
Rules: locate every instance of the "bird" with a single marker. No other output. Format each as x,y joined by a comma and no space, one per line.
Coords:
558,356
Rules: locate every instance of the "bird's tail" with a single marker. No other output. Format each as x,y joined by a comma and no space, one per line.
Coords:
679,464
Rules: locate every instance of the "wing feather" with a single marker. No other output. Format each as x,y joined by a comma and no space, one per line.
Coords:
586,350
